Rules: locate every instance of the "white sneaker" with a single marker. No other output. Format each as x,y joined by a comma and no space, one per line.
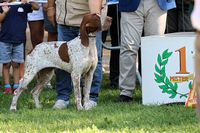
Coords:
61,104
91,104
48,85
103,70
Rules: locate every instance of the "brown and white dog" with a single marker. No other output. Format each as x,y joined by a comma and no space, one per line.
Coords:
78,57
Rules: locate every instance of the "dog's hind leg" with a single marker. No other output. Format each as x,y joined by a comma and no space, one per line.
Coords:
23,84
77,90
17,93
44,76
28,76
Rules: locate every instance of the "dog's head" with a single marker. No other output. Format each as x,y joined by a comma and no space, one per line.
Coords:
91,23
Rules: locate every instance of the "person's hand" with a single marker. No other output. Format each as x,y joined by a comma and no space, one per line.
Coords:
24,1
107,23
51,13
5,8
45,6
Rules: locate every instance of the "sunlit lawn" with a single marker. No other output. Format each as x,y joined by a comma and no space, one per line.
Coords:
108,116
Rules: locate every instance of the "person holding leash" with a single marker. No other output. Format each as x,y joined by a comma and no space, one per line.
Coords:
69,14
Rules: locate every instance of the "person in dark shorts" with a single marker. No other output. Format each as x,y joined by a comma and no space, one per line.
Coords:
49,27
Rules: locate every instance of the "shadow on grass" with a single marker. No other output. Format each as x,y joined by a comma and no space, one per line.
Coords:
108,115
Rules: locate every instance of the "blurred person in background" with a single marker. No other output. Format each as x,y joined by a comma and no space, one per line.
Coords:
178,19
12,40
36,27
115,40
68,15
48,26
195,18
147,16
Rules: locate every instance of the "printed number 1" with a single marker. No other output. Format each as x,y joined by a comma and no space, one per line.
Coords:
182,56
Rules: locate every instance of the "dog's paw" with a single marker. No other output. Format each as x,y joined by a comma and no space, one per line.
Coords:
80,107
16,91
87,107
39,106
13,109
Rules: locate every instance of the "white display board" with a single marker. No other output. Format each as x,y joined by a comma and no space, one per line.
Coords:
167,67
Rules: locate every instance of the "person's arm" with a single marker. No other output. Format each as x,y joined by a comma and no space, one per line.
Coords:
51,3
95,6
51,11
3,14
195,17
35,6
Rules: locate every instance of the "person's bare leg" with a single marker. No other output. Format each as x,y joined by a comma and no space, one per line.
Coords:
6,73
6,77
21,69
16,72
52,37
36,32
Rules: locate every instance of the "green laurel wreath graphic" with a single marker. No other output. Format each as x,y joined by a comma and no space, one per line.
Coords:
160,77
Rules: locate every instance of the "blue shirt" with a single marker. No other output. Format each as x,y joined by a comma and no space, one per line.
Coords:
132,5
167,5
112,2
13,28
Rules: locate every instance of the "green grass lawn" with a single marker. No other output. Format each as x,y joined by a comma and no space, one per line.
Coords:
108,116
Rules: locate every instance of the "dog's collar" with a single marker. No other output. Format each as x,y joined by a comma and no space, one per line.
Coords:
90,35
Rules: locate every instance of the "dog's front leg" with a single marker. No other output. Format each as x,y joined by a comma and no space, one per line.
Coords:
17,93
35,93
86,90
77,90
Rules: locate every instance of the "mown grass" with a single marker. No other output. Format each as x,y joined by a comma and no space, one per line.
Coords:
108,116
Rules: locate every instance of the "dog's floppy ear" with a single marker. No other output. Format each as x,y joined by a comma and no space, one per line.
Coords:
93,24
83,33
90,23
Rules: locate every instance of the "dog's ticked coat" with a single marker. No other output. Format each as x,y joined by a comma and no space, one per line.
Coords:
78,57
